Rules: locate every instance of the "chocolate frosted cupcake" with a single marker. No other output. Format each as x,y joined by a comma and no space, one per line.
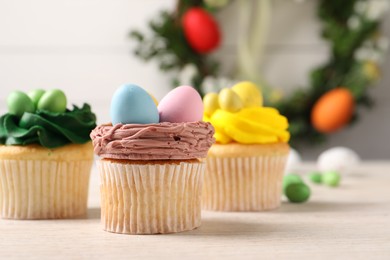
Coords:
151,173
45,157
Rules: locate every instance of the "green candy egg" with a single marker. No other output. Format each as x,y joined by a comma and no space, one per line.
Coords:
18,102
53,101
315,177
35,95
331,178
297,192
289,179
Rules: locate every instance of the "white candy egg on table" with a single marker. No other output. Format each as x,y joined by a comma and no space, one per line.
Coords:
341,159
293,161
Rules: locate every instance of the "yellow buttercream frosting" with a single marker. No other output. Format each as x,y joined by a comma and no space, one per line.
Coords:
259,125
250,125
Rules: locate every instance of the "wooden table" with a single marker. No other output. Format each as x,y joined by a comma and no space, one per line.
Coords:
348,222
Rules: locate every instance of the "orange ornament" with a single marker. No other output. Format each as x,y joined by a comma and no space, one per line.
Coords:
333,110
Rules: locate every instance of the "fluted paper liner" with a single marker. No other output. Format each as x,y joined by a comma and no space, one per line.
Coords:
46,189
150,198
243,183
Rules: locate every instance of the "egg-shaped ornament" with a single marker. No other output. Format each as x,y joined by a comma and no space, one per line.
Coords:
131,104
182,104
333,110
340,159
201,30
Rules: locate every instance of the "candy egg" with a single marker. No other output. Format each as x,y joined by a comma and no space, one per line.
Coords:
298,192
53,101
18,103
131,104
249,93
210,102
290,179
182,104
331,178
339,159
293,161
315,177
35,95
229,100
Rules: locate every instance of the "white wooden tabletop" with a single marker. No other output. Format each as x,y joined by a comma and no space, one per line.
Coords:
348,222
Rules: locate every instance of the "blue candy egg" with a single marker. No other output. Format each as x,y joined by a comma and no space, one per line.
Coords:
131,104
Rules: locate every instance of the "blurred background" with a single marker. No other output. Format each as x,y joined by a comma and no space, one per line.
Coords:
83,47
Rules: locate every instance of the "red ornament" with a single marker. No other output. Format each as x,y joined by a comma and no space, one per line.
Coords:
201,30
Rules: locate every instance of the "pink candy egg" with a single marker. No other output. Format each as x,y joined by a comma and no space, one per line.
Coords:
182,104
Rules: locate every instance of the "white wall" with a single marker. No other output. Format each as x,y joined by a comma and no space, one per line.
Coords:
81,46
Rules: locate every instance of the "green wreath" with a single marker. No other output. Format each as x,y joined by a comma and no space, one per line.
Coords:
352,28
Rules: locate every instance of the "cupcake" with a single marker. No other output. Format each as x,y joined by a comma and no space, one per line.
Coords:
45,156
246,164
151,167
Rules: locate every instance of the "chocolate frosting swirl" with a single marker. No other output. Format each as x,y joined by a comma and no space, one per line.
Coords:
162,141
48,129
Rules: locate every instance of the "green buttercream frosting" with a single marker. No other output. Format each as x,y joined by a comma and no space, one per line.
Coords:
48,129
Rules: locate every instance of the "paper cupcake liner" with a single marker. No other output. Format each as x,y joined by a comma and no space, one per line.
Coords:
33,189
150,198
243,183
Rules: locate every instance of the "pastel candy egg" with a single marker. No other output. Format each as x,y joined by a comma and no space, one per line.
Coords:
298,192
249,93
131,104
341,159
294,160
331,178
290,179
182,104
35,95
211,104
53,101
229,100
315,177
18,102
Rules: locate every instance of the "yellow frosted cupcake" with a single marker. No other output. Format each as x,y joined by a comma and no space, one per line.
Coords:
245,167
45,157
151,167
